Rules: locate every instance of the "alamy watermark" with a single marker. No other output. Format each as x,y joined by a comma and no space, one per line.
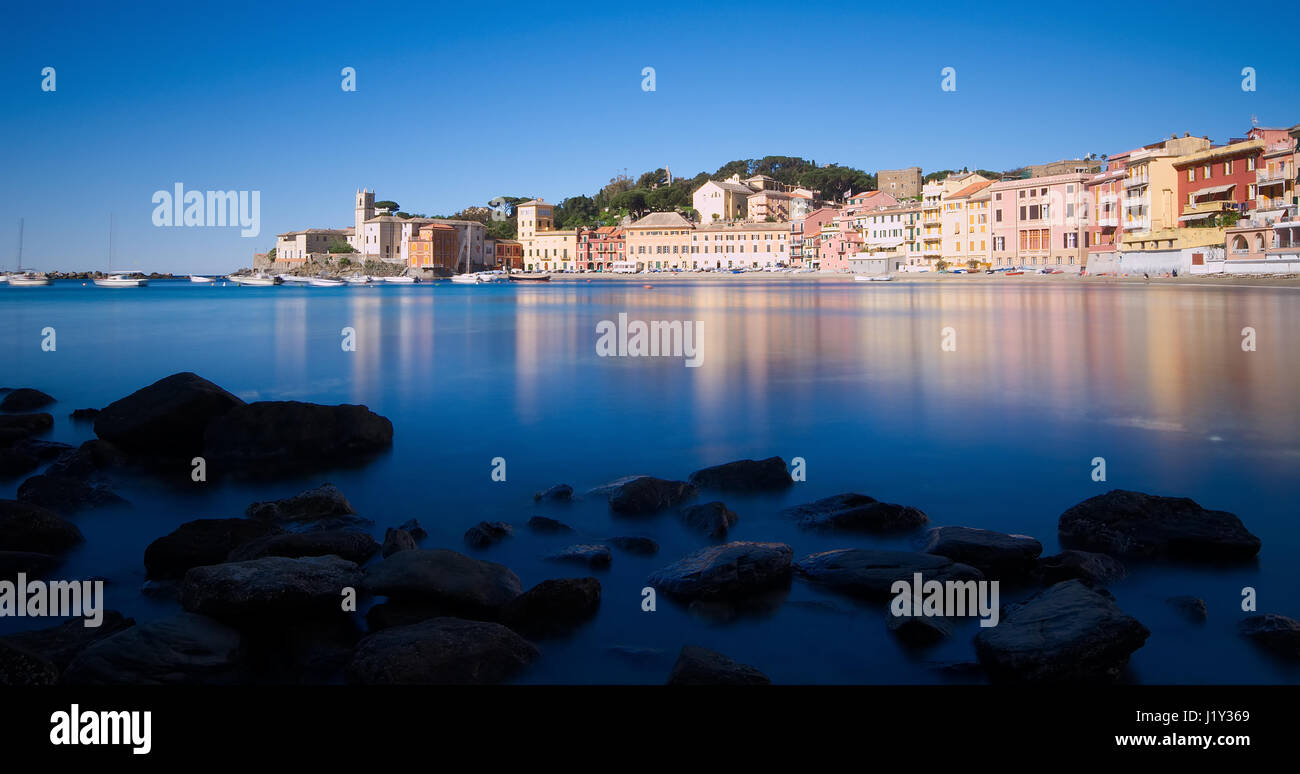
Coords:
657,338
209,209
53,599
947,599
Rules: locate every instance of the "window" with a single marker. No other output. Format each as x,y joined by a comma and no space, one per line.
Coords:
1205,173
1250,164
1227,167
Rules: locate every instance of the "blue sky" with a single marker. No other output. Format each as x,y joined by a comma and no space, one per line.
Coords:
457,104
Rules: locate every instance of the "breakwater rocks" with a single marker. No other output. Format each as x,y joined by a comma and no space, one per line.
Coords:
298,589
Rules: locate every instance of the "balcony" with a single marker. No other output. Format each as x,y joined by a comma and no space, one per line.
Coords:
1272,176
1134,182
1111,221
1138,224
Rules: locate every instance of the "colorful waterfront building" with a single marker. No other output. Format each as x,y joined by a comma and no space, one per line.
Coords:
1040,222
966,225
599,248
1105,192
722,200
740,246
544,247
660,240
433,247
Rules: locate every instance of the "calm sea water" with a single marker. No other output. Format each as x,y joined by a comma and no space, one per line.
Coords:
998,434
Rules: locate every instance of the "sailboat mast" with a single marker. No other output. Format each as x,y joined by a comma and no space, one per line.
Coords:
20,245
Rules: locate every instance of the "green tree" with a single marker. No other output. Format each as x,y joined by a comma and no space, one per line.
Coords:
339,246
388,205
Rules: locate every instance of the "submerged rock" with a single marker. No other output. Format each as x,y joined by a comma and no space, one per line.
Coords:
744,476
553,607
635,544
66,495
28,527
186,649
280,437
440,651
543,524
31,563
270,589
166,419
61,643
1191,608
712,519
201,542
1276,633
84,414
19,666
356,547
412,526
871,574
485,533
918,630
27,454
397,540
1067,633
591,555
701,666
1092,568
996,554
560,493
472,587
730,570
323,502
646,494
88,459
1149,526
853,512
25,399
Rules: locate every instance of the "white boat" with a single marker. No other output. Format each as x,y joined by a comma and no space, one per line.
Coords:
254,280
122,279
324,282
357,279
26,279
200,280
293,279
872,278
401,279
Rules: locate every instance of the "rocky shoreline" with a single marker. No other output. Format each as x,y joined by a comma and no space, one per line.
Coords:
298,590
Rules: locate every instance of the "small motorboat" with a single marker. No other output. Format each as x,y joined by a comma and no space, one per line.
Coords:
357,279
122,279
872,278
401,279
200,280
293,279
325,282
29,279
1014,273
258,280
529,276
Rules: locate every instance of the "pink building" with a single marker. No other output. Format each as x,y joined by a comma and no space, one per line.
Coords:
1041,222
840,241
810,233
1106,221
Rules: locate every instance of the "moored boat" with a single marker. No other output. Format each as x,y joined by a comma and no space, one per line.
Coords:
254,280
325,282
200,280
357,279
122,279
28,279
532,276
872,278
401,279
293,279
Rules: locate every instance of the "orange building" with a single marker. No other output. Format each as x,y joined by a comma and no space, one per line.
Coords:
434,247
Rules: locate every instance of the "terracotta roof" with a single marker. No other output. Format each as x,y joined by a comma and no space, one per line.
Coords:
662,219
970,189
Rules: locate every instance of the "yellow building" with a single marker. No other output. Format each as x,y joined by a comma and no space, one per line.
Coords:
544,248
660,240
966,222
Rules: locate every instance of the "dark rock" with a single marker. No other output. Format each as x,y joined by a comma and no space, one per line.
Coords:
30,563
856,513
543,524
486,533
560,493
168,590
1066,633
701,666
199,543
397,540
166,419
60,644
713,519
412,526
871,574
1191,608
731,569
588,554
66,495
646,494
723,610
633,544
1275,633
440,651
404,612
996,554
86,460
918,630
744,476
1091,568
310,652
323,502
553,607
1149,526
27,527
471,587
15,427
19,666
288,436
356,547
269,589
25,399
27,454
185,649
84,414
